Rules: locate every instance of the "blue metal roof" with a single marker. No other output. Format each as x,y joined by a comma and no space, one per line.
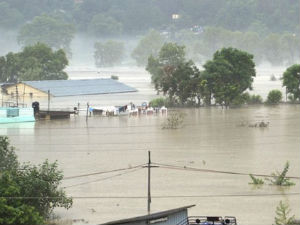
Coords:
59,88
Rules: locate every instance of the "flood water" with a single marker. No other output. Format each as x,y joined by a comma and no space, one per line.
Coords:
210,139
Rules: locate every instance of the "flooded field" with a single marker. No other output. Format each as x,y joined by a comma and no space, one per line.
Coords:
210,139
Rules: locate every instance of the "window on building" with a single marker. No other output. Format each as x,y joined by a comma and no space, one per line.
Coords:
12,112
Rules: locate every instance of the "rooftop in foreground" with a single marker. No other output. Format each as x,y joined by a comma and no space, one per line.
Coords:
152,216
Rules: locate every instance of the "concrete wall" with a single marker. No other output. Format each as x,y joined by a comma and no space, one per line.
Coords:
27,94
26,91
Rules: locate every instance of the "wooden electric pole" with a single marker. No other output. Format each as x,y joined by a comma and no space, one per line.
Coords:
48,101
149,182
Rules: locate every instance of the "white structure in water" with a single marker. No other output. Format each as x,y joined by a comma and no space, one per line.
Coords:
16,115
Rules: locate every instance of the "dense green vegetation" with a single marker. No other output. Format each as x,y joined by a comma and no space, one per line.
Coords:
135,16
52,31
109,53
149,45
291,80
268,29
283,214
29,193
280,178
37,62
274,97
225,78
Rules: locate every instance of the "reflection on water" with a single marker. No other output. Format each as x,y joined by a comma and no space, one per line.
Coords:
210,139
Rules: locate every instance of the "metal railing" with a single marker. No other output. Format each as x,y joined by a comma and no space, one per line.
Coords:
208,220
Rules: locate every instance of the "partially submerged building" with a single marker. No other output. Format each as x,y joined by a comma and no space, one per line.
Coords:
62,88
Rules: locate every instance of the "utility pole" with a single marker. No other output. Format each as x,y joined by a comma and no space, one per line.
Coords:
87,111
17,95
48,101
149,182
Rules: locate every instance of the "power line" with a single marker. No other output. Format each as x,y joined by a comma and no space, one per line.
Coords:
158,196
166,166
128,133
101,179
142,143
103,172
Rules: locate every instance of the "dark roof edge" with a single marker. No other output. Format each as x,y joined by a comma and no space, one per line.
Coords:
148,217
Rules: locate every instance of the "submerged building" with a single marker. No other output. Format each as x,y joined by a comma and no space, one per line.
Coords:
62,88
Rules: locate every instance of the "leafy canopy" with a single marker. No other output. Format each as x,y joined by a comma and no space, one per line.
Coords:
291,80
230,73
37,62
147,46
29,193
283,214
172,74
274,97
53,31
109,53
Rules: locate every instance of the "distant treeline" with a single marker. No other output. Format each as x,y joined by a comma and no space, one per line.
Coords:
268,29
137,16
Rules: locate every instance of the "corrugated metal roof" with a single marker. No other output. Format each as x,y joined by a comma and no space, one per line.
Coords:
61,88
149,216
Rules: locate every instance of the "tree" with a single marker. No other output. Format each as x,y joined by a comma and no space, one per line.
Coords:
43,182
12,208
109,53
282,214
229,73
52,31
290,45
256,181
172,74
9,67
28,193
291,80
104,26
280,178
8,156
272,48
169,56
147,46
274,97
37,62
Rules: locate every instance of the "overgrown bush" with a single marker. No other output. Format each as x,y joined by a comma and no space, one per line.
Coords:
246,98
282,214
254,99
36,189
274,97
256,181
174,120
114,77
279,178
158,102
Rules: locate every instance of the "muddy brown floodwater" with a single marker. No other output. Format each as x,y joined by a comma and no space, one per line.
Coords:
209,139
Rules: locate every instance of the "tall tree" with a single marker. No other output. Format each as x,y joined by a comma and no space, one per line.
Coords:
291,80
109,53
28,193
147,46
230,72
53,31
173,75
104,26
37,62
169,56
